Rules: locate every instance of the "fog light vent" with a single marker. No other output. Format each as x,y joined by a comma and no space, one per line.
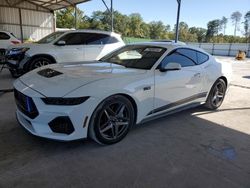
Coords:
62,125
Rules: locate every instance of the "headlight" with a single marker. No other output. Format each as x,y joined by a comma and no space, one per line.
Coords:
15,51
64,101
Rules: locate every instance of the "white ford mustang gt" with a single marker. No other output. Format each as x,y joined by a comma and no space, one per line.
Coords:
103,99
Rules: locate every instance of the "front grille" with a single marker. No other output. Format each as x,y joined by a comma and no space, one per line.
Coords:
2,55
2,52
25,104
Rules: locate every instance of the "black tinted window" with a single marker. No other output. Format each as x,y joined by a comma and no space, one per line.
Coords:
178,57
73,39
88,39
96,39
4,36
190,54
202,58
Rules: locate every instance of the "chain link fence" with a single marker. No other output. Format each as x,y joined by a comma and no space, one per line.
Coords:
223,49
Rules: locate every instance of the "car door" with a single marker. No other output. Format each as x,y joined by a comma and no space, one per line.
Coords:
96,46
93,46
72,49
178,87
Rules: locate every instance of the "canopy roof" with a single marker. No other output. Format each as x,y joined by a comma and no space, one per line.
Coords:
45,4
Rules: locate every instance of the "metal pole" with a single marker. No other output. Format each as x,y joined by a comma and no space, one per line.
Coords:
54,21
229,50
75,17
248,52
21,23
213,49
112,16
177,21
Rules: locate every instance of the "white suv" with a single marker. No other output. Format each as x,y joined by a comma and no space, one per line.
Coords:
6,39
60,47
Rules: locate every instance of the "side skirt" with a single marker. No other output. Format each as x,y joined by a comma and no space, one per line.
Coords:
163,114
178,103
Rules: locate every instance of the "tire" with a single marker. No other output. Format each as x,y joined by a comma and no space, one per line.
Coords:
14,73
216,95
111,120
39,62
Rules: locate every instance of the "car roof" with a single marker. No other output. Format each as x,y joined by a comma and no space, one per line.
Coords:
92,31
5,31
167,45
170,45
169,41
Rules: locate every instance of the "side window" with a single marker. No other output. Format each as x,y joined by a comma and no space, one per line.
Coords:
99,39
202,58
74,38
178,56
4,36
110,40
88,39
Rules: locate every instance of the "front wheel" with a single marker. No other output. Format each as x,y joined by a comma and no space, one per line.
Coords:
216,95
39,62
15,73
112,120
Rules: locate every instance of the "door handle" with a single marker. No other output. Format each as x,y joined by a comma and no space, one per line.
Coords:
146,88
197,75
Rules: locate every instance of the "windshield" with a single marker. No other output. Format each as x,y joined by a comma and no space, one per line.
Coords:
139,57
49,38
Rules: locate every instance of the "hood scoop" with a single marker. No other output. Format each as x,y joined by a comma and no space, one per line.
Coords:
49,73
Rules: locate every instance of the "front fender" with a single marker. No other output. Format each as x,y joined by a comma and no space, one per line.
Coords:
102,89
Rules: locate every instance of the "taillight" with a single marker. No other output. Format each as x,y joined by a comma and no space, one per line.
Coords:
15,42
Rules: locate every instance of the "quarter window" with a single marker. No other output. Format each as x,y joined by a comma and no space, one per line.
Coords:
202,58
4,36
188,53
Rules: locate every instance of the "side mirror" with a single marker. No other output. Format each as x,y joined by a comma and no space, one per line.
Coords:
170,67
61,43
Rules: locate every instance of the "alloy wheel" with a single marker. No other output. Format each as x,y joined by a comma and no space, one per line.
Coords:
218,94
40,63
114,121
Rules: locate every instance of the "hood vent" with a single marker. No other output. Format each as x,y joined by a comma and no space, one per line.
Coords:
48,73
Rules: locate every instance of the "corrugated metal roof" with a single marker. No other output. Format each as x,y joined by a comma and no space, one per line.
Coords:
45,4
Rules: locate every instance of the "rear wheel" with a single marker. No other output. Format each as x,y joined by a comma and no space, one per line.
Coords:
112,120
39,62
216,95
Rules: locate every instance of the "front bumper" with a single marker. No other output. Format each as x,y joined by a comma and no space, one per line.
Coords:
17,62
41,125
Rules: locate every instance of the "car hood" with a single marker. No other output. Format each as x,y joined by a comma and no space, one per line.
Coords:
59,80
29,45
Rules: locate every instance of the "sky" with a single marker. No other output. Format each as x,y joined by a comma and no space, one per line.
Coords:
194,12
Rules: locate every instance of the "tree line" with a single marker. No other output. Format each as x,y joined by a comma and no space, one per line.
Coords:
133,25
